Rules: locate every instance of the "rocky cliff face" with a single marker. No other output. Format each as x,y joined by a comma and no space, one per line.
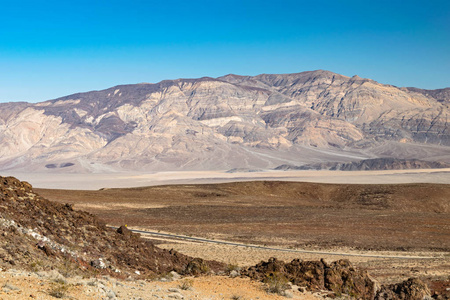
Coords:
228,122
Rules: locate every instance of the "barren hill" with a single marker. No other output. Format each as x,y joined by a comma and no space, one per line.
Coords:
37,234
227,122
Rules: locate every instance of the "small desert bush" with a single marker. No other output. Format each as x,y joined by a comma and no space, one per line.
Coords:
59,281
233,267
58,288
36,265
165,276
204,268
236,297
186,284
276,283
68,269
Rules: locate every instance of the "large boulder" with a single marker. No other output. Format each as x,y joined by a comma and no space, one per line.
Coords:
411,289
338,277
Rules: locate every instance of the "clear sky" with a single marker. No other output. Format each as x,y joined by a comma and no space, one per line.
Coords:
52,48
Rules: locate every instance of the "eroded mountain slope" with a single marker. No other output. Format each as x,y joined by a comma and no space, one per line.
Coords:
232,121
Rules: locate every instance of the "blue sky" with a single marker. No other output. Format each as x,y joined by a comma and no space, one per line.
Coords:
51,48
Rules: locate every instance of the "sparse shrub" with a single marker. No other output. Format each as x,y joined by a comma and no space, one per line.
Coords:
36,265
186,284
92,283
237,297
233,267
59,281
276,283
59,288
166,276
68,269
205,268
196,267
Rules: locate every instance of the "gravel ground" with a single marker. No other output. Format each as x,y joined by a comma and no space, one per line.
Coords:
15,284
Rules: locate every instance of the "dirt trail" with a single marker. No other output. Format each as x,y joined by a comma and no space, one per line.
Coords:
175,237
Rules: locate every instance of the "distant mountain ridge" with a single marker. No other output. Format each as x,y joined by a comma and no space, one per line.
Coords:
371,164
224,123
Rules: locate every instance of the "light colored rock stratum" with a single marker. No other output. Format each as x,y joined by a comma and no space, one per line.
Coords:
228,122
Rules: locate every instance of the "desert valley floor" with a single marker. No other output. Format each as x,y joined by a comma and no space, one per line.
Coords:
393,230
95,181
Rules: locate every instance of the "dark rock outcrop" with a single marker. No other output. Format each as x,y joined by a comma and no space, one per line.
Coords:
341,278
338,277
440,289
127,233
411,289
38,234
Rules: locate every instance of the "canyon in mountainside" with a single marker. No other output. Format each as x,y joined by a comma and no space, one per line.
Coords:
263,121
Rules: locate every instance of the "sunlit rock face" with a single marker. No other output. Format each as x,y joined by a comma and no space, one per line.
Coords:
227,122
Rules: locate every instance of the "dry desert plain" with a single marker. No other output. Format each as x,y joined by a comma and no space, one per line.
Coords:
95,181
395,231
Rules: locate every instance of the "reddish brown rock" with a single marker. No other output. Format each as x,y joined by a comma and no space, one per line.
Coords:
411,289
338,277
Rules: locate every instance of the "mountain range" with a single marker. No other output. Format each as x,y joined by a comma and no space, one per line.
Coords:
227,122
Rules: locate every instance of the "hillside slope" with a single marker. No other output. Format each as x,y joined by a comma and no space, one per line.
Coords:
37,234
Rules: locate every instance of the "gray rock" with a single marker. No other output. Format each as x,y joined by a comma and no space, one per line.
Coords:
41,274
10,287
92,283
98,263
55,275
175,275
176,296
111,295
288,294
234,274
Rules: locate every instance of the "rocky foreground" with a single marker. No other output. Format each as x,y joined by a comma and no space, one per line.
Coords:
61,249
16,284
